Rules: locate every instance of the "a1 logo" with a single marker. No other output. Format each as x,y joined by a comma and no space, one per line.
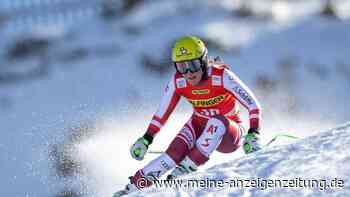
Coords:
212,129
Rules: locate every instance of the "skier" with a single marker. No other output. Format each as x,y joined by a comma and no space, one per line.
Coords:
214,92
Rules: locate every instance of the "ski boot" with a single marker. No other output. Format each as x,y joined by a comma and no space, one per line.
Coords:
186,166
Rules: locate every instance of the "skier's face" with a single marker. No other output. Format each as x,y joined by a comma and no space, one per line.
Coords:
193,78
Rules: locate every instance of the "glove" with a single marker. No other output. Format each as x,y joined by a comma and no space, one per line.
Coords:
139,149
251,141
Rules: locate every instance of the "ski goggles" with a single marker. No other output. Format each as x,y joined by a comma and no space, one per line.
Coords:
191,66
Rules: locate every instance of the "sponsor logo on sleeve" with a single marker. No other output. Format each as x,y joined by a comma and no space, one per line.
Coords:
216,80
181,83
243,94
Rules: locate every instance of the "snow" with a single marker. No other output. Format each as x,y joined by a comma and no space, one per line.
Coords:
320,157
111,89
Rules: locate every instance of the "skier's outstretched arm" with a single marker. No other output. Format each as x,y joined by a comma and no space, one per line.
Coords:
168,103
245,96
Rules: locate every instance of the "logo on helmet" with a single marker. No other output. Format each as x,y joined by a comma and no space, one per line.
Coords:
183,51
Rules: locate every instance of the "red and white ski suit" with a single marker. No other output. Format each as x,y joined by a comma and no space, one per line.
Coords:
215,123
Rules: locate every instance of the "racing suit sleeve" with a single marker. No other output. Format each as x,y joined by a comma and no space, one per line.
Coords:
167,105
245,96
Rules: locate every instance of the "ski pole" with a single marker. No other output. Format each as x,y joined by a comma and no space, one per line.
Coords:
155,152
278,136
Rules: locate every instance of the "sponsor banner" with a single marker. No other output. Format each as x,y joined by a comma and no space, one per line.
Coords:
207,102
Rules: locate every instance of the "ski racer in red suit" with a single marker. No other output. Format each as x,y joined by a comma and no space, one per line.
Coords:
214,92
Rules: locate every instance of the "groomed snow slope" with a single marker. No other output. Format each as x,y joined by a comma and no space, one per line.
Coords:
319,157
39,113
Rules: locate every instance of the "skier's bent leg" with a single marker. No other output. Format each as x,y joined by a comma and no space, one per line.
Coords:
175,153
152,171
182,143
209,140
231,139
